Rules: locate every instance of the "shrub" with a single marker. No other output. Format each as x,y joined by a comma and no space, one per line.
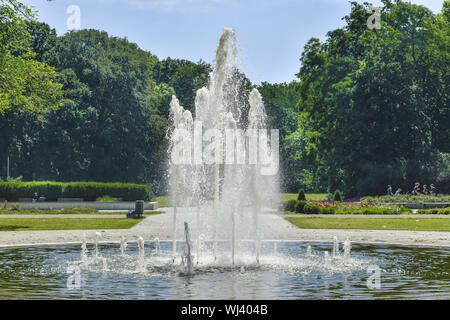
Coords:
337,197
327,211
404,210
406,198
301,195
89,191
434,211
311,209
299,206
378,211
106,199
290,205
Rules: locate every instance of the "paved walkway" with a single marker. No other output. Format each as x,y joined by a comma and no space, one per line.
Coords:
272,227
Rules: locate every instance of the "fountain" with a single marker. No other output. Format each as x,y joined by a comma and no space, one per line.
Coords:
98,237
221,182
84,249
123,245
219,162
335,247
141,256
347,248
187,249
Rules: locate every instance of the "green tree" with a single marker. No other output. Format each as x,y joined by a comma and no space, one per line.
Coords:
372,99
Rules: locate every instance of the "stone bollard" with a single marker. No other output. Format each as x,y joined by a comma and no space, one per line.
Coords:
139,208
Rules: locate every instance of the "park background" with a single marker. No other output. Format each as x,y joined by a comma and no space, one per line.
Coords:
367,107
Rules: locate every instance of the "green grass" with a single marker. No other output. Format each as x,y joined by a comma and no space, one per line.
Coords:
163,201
106,199
413,224
34,224
309,196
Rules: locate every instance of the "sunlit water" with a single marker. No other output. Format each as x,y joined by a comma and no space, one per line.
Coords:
285,271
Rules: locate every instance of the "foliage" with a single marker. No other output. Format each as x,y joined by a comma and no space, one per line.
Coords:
407,199
290,205
369,108
337,197
373,100
89,191
311,209
434,211
25,84
300,206
10,210
106,199
301,195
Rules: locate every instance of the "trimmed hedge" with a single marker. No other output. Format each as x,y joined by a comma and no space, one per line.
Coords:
290,205
89,191
434,211
301,195
299,206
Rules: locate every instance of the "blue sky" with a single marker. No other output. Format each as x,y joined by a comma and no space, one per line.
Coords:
271,33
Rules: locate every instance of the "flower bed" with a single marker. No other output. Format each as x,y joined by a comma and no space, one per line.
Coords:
328,207
406,198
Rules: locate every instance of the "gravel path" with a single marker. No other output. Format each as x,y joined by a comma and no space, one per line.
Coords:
273,227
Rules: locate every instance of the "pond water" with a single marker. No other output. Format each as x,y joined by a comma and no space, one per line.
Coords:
286,270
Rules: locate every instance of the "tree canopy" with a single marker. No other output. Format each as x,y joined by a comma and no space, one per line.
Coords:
370,107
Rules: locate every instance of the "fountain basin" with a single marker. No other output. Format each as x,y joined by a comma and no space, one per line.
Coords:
285,271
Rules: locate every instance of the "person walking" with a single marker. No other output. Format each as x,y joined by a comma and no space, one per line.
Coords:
433,190
416,189
389,190
35,197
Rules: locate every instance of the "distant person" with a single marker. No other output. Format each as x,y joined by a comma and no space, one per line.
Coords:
425,190
389,190
433,190
416,189
398,192
35,197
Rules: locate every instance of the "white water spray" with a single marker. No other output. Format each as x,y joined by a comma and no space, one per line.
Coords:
221,169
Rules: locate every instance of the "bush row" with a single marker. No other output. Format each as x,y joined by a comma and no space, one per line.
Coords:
89,191
304,207
434,211
406,198
307,208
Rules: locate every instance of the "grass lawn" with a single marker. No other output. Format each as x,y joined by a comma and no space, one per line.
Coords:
413,224
33,224
309,196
